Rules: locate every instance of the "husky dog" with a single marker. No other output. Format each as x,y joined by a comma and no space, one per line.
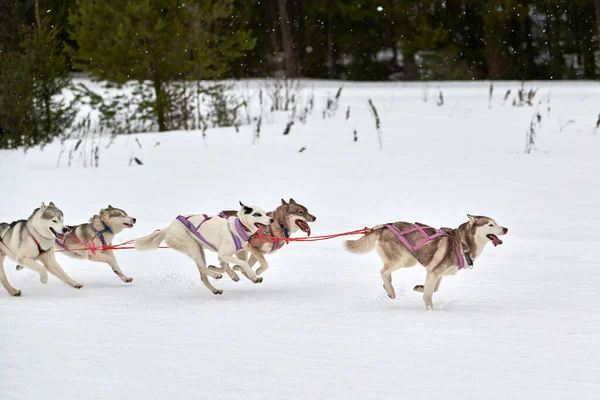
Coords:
444,252
100,231
29,241
289,217
191,235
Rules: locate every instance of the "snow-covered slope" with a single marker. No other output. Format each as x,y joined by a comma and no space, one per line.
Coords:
523,323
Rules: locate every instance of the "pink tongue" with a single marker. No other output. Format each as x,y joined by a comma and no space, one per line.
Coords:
261,230
495,240
304,226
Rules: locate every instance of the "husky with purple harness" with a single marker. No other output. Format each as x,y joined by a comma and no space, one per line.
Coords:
193,233
441,251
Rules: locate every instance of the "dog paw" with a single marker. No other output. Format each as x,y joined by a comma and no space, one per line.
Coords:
77,285
218,291
235,278
44,278
418,288
126,279
19,268
17,293
258,279
212,268
219,276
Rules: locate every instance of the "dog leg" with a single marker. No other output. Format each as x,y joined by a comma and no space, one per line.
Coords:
34,266
11,290
196,252
258,256
200,259
55,269
108,257
247,271
419,288
431,281
225,268
386,275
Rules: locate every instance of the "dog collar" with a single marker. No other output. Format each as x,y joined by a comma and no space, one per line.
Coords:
106,228
469,259
285,230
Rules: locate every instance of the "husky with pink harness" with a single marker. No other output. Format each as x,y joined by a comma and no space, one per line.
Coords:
441,251
226,236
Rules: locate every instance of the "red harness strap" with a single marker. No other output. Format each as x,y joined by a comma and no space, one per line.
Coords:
40,250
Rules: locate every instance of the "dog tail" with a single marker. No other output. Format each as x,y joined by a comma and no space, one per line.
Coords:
151,241
364,244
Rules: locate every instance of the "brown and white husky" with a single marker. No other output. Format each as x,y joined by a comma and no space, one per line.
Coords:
442,252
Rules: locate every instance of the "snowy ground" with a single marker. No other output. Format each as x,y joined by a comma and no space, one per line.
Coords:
523,323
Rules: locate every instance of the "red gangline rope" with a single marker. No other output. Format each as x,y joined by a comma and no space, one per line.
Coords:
258,239
93,248
267,239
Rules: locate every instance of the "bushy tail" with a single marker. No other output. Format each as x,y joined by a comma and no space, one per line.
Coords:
151,241
364,244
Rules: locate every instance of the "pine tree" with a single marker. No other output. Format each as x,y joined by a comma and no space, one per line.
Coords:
33,75
157,40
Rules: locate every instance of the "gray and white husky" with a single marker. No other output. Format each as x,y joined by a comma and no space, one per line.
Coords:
99,232
192,234
403,245
31,242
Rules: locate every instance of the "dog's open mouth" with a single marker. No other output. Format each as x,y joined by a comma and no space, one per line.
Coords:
261,228
495,239
128,225
59,236
303,225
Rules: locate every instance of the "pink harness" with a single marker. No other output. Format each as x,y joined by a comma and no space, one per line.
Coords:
426,239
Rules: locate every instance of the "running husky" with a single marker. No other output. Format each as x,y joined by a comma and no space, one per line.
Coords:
289,217
442,252
226,236
100,231
32,240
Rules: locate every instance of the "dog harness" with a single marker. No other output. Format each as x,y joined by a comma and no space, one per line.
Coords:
238,236
99,235
426,238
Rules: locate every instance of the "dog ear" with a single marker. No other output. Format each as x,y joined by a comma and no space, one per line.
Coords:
283,203
42,206
110,207
51,205
247,210
472,218
292,201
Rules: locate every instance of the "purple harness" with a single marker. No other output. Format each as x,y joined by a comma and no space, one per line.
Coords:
237,239
426,239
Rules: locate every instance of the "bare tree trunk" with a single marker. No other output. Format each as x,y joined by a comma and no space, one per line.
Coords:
287,38
597,4
330,55
272,14
37,14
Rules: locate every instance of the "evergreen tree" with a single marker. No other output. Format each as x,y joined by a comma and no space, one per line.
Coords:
157,40
32,78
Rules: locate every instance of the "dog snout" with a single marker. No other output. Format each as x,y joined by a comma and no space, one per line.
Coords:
271,220
505,231
134,220
65,229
